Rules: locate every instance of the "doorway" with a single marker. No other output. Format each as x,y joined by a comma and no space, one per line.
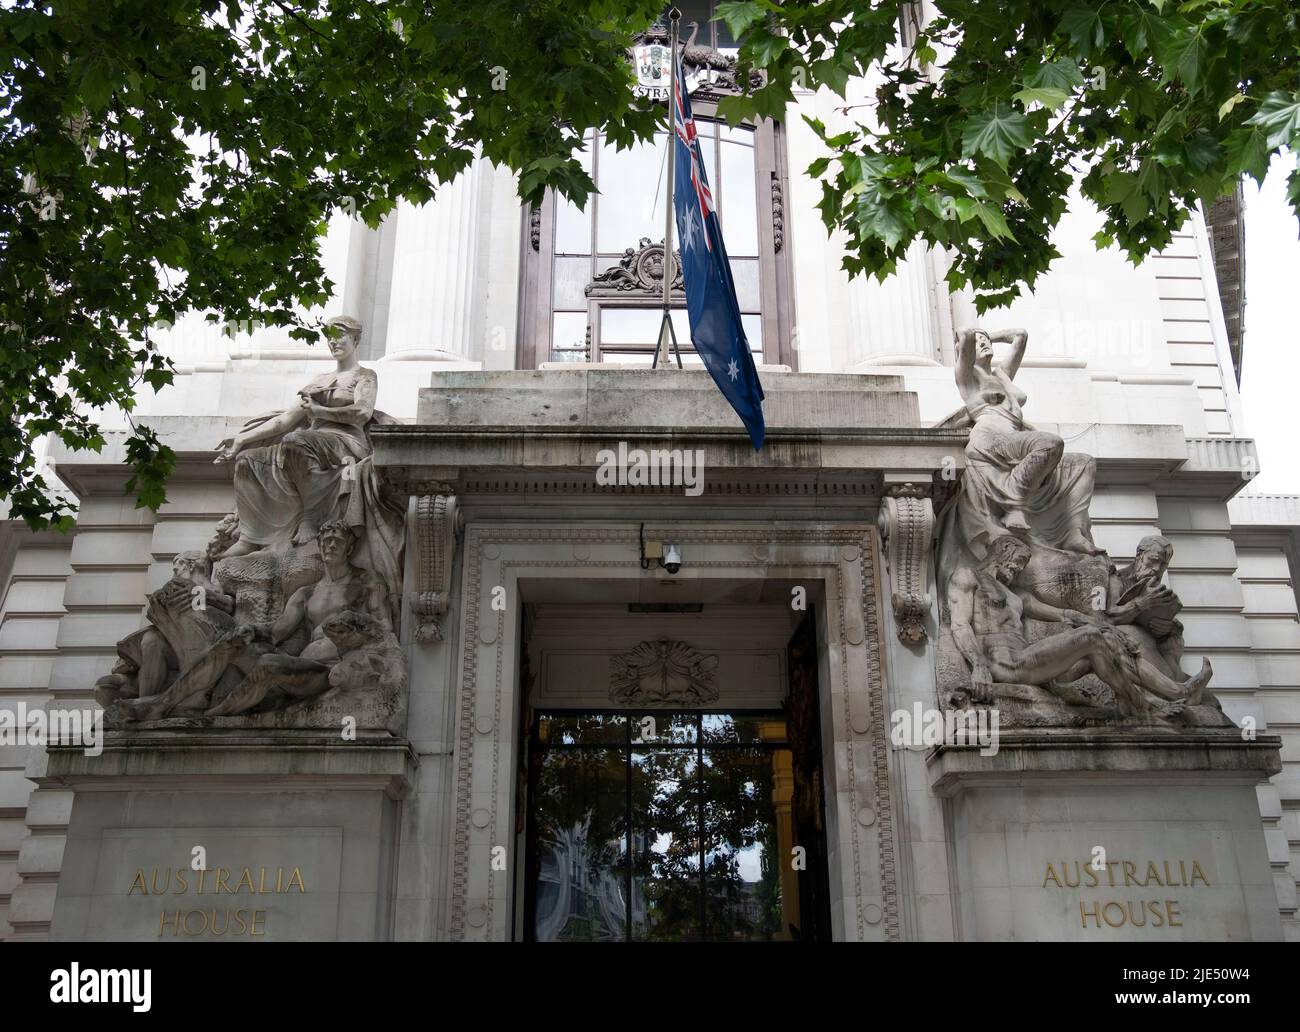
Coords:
699,825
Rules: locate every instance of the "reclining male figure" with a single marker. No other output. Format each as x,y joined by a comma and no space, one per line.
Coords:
987,617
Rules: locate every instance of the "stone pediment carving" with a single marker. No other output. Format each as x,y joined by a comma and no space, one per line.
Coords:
663,673
639,271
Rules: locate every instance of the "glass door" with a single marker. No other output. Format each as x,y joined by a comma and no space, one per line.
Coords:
663,827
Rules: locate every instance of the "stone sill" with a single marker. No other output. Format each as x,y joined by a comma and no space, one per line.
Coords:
1139,757
235,761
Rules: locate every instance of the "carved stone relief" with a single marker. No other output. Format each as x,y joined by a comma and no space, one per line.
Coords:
663,673
1037,620
287,619
639,271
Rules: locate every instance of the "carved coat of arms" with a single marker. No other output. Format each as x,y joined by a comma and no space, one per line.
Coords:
661,673
652,69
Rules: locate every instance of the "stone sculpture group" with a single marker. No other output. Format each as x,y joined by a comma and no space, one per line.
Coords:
1036,619
287,619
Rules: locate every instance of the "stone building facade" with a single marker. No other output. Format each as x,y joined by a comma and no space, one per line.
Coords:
533,612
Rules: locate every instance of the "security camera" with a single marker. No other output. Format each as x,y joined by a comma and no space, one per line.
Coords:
672,558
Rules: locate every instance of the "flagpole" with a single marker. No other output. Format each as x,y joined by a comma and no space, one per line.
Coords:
666,330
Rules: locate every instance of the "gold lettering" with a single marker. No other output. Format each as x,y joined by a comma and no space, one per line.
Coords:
1157,916
1090,873
182,882
279,874
153,881
1051,876
203,876
222,930
1130,869
176,923
247,876
241,923
1084,914
139,880
296,876
222,872
261,880
1065,873
1110,871
1106,910
1171,908
1169,876
1182,867
1198,873
203,922
1153,872
256,915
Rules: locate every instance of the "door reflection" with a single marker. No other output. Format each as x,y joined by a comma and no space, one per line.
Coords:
700,804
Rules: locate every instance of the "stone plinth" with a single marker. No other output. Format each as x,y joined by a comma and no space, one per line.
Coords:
296,835
1109,836
662,398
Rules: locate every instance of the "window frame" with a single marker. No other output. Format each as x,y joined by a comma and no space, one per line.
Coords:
776,288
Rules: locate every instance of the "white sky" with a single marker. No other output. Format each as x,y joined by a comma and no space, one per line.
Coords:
1271,366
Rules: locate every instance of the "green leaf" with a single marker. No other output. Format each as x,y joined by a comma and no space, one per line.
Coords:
1141,30
880,217
739,15
97,85
998,134
1083,26
1061,74
1248,152
1050,98
766,46
967,180
993,221
1183,57
1203,151
1279,117
1229,104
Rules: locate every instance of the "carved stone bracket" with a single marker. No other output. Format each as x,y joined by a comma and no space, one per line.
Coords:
437,524
535,226
906,525
778,214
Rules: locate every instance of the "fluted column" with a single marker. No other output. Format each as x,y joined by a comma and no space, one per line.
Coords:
435,274
895,323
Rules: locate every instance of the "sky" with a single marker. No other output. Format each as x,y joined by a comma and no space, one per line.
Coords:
1271,363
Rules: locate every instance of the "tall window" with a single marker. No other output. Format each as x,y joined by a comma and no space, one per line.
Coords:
592,284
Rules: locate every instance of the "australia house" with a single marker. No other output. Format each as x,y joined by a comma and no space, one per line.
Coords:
468,624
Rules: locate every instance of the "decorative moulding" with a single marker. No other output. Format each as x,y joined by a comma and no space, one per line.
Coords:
437,520
906,524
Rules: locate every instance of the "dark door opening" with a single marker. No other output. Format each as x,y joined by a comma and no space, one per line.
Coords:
660,826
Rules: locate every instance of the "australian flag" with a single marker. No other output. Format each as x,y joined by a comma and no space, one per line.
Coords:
711,303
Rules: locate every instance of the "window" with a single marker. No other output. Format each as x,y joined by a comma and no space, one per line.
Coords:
593,277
